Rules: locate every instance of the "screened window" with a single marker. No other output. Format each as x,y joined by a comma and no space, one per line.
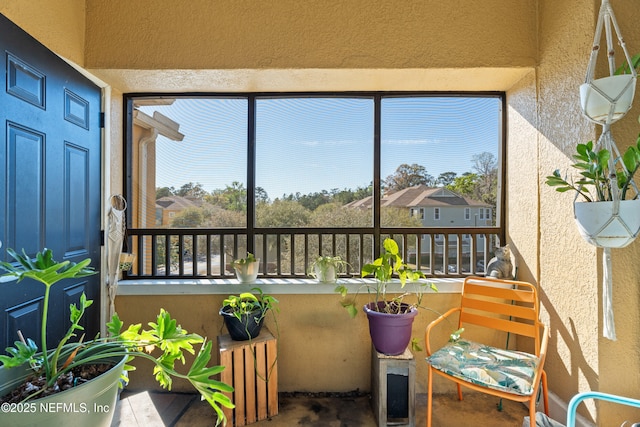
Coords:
242,172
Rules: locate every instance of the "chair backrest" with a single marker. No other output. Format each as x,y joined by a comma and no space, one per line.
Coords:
506,305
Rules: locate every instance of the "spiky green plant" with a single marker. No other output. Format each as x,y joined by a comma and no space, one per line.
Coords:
164,335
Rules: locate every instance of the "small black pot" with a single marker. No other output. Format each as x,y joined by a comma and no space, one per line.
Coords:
245,328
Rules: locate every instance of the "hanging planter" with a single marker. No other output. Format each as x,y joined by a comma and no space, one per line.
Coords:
607,99
602,225
126,261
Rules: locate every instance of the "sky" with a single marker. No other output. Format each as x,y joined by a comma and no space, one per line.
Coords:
309,145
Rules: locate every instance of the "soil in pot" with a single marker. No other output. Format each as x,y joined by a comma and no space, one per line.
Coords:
245,328
73,378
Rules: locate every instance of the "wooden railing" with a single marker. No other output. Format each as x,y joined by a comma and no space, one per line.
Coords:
288,252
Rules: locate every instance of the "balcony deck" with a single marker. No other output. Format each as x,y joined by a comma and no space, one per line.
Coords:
182,410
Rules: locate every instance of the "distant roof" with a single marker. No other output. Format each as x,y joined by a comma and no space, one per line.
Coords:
178,202
420,196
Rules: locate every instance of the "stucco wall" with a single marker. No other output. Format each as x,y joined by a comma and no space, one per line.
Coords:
320,347
59,24
237,34
619,361
570,273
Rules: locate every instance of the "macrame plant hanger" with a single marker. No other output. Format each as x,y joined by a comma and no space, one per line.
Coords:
116,234
604,101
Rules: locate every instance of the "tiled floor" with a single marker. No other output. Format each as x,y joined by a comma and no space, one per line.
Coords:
186,410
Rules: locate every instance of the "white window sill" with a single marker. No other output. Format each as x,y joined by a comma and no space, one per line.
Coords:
269,286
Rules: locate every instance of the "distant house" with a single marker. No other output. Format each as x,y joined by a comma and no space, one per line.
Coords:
437,207
168,207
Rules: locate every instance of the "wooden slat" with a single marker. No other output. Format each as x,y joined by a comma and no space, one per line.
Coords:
250,385
226,376
502,293
272,369
500,308
238,384
500,324
261,382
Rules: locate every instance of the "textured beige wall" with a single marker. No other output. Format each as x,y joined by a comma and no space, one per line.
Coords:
320,347
570,273
203,34
568,267
619,361
59,24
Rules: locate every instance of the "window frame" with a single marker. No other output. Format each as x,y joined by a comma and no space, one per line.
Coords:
376,229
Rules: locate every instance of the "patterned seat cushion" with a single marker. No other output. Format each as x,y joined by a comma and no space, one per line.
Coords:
505,370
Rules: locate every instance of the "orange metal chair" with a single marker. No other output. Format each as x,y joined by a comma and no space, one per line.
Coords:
504,305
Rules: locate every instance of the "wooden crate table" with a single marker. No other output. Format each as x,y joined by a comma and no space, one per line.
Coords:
393,388
252,370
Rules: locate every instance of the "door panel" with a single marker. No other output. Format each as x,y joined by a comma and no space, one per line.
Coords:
49,181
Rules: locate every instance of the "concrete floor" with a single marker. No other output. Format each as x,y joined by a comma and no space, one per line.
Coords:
186,410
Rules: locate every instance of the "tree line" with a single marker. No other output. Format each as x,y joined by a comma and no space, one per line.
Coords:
227,207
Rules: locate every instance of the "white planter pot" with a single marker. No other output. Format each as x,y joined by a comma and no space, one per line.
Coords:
247,273
601,96
599,226
326,274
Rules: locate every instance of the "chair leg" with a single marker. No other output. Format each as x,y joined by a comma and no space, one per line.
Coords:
429,395
545,394
459,391
532,411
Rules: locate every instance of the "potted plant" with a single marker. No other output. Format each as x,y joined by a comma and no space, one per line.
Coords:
47,386
247,268
244,314
326,268
614,221
390,320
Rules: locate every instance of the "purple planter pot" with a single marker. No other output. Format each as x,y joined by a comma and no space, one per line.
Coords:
390,333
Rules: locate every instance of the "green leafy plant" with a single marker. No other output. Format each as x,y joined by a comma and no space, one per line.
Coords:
383,269
164,335
243,261
248,302
247,307
595,182
323,263
625,69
